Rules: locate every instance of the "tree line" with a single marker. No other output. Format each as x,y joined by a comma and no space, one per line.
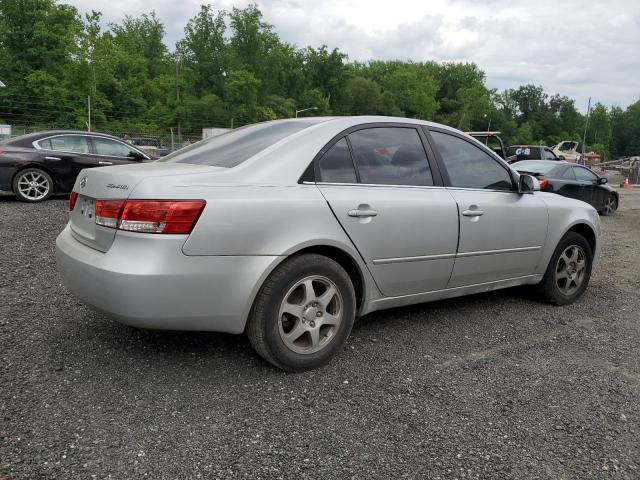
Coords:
231,68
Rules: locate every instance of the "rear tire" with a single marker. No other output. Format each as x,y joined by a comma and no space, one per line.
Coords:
568,272
303,313
32,185
610,206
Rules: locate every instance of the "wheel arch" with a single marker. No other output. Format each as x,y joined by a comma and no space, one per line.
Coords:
357,272
346,261
38,166
587,232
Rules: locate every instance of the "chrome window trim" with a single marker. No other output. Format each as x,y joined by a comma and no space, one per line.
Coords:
376,185
334,184
444,256
36,145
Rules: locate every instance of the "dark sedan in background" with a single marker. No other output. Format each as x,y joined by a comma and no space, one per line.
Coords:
37,165
571,180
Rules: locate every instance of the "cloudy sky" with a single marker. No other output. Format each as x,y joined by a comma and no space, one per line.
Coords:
578,48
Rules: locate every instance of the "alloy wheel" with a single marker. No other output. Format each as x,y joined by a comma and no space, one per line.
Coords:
609,206
571,269
310,314
33,186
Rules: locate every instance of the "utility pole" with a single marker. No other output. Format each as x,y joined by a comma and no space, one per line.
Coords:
584,137
89,110
178,65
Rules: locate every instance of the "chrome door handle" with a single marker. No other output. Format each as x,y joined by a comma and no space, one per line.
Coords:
362,213
53,158
102,162
473,213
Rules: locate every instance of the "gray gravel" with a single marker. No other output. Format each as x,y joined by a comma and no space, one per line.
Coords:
491,386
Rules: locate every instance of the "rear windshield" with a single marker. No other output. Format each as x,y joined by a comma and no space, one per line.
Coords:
232,148
542,168
524,152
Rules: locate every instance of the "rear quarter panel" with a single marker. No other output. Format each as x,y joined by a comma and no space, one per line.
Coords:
263,220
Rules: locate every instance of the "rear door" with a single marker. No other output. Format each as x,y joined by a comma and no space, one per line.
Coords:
389,199
65,155
108,151
565,183
502,232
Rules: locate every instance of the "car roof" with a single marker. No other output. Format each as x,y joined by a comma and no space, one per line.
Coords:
542,162
29,138
280,162
529,146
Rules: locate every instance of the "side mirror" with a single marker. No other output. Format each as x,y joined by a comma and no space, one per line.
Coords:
602,181
136,155
561,157
528,184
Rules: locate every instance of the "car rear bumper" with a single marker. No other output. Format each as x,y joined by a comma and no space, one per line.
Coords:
146,281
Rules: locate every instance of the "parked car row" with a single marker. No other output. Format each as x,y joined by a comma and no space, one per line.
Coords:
37,165
288,230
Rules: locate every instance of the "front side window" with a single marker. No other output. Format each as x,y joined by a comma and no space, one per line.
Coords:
66,143
585,175
336,166
549,155
112,148
390,156
468,166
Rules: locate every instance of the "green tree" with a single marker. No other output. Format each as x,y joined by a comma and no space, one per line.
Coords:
204,52
363,96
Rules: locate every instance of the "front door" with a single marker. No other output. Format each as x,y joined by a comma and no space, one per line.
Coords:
502,232
109,151
379,184
589,186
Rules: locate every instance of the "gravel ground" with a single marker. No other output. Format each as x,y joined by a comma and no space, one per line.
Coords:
490,386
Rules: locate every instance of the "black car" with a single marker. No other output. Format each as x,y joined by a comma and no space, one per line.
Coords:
573,181
531,152
36,165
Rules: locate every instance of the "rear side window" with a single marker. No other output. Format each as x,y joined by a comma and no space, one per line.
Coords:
336,166
232,148
468,166
66,143
390,156
568,174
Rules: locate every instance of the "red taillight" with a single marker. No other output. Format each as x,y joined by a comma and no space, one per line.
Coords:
108,212
72,200
149,216
543,183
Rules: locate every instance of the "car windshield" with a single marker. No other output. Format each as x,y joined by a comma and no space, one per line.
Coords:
232,148
535,167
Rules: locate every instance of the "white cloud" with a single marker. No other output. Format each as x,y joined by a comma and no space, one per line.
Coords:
573,47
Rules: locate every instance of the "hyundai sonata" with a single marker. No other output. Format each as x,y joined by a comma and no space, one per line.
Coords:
289,230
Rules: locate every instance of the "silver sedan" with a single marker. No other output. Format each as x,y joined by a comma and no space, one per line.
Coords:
289,230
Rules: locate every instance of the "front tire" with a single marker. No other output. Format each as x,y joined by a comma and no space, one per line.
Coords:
610,206
568,272
303,313
32,185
